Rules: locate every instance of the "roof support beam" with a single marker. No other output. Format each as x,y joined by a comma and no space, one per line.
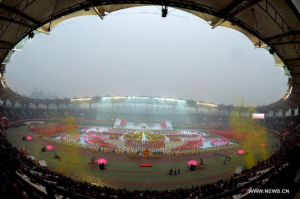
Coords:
9,96
292,102
286,43
236,7
293,8
279,107
18,11
100,14
5,42
296,100
284,35
296,93
296,84
296,59
279,20
13,10
227,10
17,98
14,21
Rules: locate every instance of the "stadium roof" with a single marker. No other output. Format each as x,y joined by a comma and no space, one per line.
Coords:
270,24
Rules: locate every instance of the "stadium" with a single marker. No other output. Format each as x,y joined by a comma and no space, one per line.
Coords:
143,146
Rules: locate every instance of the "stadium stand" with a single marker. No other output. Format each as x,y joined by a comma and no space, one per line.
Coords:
15,169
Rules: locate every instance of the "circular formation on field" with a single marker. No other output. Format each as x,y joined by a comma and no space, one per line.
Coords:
96,138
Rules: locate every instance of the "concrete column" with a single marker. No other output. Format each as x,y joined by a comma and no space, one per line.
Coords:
283,113
13,105
4,104
292,112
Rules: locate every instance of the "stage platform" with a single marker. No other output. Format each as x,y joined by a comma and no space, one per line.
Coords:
143,125
145,165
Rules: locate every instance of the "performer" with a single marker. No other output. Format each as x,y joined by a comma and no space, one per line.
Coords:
56,157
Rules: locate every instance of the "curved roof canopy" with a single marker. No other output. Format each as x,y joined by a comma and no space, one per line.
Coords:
270,24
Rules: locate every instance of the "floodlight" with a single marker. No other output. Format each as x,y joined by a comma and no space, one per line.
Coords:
164,11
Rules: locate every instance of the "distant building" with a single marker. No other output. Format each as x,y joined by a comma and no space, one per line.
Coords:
41,95
50,96
34,93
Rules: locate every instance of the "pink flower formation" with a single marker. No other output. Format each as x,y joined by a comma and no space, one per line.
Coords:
102,160
263,144
29,137
241,151
49,147
192,162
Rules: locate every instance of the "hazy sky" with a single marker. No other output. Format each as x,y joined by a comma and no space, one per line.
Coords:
137,52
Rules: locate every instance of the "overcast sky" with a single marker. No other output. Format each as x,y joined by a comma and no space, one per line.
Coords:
137,52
